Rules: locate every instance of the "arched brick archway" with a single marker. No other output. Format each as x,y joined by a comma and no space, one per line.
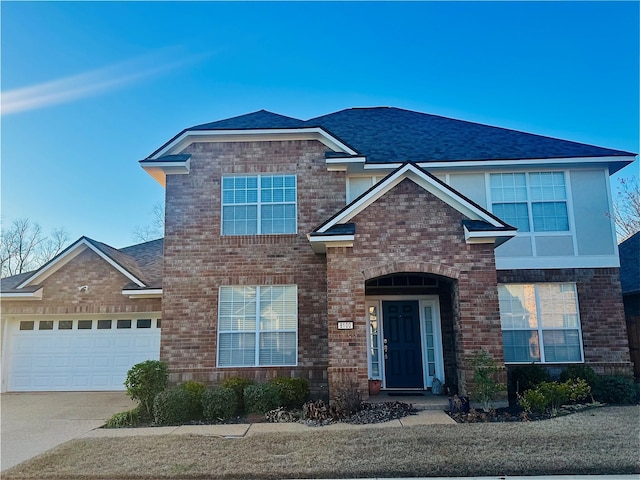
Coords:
389,268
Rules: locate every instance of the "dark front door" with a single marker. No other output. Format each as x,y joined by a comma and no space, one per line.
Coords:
402,345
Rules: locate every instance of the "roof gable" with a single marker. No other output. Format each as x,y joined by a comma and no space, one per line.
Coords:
118,260
423,179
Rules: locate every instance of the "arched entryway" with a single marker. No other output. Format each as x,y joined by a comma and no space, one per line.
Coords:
410,330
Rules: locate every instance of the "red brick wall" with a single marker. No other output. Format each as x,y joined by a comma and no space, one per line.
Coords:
410,230
198,260
62,297
604,335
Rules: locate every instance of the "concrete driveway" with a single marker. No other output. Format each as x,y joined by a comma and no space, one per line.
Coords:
33,423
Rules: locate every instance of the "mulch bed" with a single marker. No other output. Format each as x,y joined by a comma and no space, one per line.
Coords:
514,413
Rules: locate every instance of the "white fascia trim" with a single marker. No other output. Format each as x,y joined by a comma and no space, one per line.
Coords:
69,255
313,133
160,170
386,166
528,263
148,293
426,182
525,162
486,237
319,244
37,295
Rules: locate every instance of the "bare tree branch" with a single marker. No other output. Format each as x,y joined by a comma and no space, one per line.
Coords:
24,247
153,230
626,208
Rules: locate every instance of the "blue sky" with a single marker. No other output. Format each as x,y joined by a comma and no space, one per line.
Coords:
90,88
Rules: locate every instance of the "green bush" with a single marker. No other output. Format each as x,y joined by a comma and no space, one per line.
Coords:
219,404
172,407
145,380
195,391
130,418
485,370
549,396
526,377
616,389
260,398
293,391
585,372
237,384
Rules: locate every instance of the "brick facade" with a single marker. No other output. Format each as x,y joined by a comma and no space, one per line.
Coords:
198,260
604,334
410,230
62,297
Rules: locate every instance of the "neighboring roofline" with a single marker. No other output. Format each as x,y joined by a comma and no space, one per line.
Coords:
35,295
424,179
187,136
69,254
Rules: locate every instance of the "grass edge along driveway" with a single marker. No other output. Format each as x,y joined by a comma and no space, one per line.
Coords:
599,441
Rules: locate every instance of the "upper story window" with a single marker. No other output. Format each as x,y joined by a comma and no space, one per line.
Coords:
531,201
259,204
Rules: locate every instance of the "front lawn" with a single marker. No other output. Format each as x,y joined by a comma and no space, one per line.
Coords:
597,441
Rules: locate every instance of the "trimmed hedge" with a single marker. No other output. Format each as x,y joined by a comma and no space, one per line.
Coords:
293,391
196,391
219,404
172,407
617,389
237,384
261,398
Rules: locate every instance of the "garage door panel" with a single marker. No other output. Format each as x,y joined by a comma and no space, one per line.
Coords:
67,360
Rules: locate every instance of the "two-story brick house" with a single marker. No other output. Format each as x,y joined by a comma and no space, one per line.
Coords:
384,243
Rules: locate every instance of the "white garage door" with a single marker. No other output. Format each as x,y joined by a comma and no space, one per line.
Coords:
66,355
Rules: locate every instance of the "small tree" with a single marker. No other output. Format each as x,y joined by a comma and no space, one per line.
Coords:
485,371
144,381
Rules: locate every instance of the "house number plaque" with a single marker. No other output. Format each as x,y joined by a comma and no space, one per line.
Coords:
345,325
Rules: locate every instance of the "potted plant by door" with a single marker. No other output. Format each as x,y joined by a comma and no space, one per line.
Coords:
374,386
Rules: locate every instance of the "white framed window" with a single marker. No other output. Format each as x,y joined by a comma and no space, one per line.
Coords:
540,323
259,204
532,202
258,326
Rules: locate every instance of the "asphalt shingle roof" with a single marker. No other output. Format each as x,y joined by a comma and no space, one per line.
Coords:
143,260
392,135
630,264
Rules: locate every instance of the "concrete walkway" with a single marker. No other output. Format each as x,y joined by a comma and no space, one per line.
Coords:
423,417
33,423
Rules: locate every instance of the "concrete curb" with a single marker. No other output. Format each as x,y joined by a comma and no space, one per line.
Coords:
422,417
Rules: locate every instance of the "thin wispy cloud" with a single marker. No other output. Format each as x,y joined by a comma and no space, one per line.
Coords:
91,83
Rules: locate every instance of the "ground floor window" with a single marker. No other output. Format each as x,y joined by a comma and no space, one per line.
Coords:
258,326
540,323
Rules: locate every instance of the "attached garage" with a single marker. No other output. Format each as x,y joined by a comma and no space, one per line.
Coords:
83,354
83,320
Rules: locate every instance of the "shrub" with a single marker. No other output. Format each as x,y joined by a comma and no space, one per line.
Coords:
130,418
172,407
585,372
145,380
347,401
195,391
616,389
219,403
549,396
293,391
526,377
487,387
260,398
237,384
